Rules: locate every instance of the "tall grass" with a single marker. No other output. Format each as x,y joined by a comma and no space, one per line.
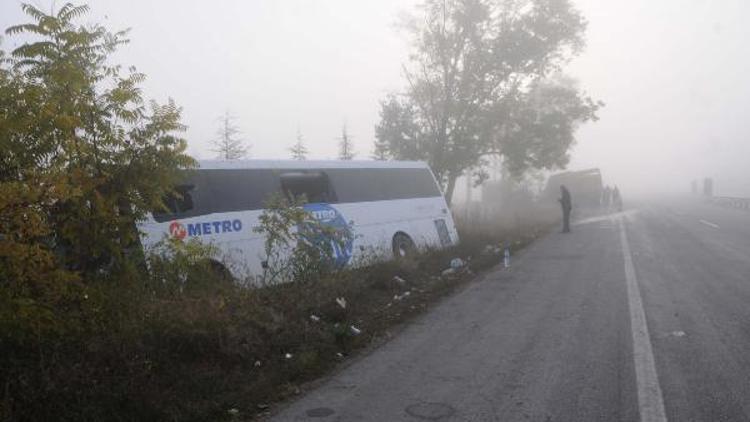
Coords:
181,342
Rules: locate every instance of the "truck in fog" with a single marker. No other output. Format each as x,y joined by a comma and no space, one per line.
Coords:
585,187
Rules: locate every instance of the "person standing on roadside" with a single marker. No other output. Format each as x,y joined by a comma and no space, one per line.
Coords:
567,205
617,199
606,195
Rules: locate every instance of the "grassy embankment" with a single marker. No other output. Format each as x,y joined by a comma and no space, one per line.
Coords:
183,345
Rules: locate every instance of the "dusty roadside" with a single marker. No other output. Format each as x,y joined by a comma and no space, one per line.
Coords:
382,300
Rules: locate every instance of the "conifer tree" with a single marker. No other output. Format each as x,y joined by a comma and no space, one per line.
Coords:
299,150
227,144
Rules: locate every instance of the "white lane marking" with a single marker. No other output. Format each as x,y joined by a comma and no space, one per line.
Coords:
710,224
650,401
607,217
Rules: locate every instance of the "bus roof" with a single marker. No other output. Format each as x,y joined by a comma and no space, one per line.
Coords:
305,164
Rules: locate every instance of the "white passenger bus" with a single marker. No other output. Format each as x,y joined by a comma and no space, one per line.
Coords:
392,208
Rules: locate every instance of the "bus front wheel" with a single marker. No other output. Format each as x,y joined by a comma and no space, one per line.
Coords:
403,246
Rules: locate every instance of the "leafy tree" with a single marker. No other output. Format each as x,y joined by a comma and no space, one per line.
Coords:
227,144
380,150
542,125
399,134
475,65
346,145
83,156
299,150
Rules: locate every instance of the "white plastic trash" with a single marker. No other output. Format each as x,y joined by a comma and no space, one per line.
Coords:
399,297
342,302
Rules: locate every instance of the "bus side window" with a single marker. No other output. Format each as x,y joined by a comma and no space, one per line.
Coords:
177,203
314,186
363,185
184,202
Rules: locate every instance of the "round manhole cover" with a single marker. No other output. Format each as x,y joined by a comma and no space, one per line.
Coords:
320,412
430,411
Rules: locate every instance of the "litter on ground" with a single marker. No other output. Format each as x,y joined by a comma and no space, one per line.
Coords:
342,302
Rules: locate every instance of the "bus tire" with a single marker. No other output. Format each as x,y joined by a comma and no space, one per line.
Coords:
220,271
403,246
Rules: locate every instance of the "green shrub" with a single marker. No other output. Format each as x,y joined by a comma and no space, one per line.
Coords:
298,247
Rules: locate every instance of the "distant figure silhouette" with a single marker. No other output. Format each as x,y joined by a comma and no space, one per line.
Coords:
617,199
606,196
567,204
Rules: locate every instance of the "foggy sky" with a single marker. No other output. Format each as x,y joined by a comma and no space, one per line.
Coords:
673,73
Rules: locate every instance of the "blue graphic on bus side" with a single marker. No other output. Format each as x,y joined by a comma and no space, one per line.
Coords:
342,246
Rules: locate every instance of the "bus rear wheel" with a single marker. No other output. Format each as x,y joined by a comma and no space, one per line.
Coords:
220,271
403,246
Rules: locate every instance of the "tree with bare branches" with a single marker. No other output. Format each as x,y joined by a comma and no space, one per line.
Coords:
346,145
227,144
299,150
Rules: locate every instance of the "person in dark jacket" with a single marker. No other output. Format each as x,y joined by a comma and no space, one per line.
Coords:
606,197
567,204
617,199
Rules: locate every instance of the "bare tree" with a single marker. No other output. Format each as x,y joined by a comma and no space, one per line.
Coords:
299,150
346,146
227,144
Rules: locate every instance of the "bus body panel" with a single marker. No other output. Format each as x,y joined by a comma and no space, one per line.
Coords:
373,223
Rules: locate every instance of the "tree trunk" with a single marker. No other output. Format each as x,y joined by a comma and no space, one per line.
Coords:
450,188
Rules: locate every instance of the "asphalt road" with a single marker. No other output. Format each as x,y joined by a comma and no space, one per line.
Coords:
643,315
